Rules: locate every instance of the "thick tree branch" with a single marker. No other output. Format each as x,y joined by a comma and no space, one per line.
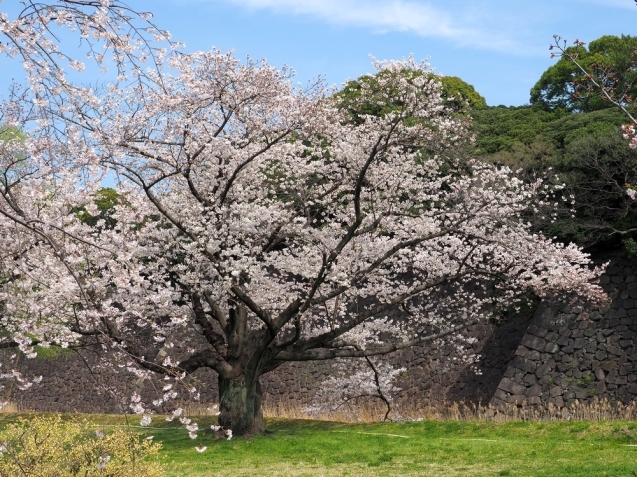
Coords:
320,354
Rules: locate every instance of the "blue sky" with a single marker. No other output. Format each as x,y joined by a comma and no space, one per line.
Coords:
499,46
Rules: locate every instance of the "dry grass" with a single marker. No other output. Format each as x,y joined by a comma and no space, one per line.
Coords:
12,407
373,411
599,410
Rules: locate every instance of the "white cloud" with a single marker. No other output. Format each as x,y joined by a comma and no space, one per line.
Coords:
464,25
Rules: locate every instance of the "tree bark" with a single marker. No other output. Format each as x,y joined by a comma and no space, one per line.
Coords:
240,405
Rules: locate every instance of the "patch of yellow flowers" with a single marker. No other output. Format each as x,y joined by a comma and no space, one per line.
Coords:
50,447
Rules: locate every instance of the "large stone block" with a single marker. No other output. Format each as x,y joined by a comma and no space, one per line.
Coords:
608,365
534,342
582,394
533,355
524,364
511,386
579,343
543,370
552,348
535,390
600,388
599,374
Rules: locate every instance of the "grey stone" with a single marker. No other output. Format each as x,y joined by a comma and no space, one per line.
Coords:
563,367
625,370
500,394
562,340
543,370
632,389
552,336
599,374
559,401
551,348
579,343
581,394
600,388
534,342
524,364
601,355
556,391
511,386
518,400
533,355
535,390
530,379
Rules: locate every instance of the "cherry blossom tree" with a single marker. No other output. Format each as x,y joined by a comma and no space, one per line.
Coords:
254,224
258,222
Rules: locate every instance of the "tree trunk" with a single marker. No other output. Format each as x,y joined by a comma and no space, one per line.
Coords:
240,402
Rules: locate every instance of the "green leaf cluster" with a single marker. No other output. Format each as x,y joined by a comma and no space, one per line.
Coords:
610,59
460,95
106,199
584,151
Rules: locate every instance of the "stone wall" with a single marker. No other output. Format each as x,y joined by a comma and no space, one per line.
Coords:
432,375
555,355
570,354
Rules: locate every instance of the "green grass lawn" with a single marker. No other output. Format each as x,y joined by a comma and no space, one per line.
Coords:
437,448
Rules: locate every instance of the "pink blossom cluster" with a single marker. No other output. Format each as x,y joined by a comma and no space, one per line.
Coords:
629,133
